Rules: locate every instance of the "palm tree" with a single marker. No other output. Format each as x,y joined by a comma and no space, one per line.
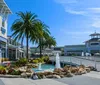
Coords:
24,27
42,35
50,41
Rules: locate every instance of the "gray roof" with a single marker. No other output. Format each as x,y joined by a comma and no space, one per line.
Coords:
4,8
95,34
75,45
93,39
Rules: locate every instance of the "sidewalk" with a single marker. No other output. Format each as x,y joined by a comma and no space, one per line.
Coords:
92,78
22,81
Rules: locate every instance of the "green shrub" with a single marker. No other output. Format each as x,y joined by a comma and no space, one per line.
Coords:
40,60
45,58
13,65
2,70
10,70
14,72
35,61
21,62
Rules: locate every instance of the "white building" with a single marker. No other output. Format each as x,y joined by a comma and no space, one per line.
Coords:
74,49
15,49
4,12
91,46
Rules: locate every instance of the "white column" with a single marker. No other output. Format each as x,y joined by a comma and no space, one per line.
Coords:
5,22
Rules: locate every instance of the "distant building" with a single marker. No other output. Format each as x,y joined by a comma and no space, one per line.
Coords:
59,50
74,49
91,46
47,51
35,51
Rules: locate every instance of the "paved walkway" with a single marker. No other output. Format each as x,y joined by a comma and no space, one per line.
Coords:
92,78
1,82
21,81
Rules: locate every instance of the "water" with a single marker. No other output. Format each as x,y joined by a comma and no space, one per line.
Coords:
57,61
44,67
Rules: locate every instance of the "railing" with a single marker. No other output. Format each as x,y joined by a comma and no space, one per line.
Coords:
87,61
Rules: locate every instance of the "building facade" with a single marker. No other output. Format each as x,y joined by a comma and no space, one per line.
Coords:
59,50
74,49
46,51
15,50
4,12
91,46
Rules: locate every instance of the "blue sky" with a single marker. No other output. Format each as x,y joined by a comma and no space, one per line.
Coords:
70,21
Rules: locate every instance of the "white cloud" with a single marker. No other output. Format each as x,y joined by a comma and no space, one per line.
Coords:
66,32
80,7
94,10
77,33
96,23
75,12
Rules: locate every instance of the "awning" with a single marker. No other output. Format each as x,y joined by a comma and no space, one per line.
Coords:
3,39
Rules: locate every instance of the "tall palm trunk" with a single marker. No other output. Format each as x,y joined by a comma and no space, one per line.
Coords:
40,48
27,47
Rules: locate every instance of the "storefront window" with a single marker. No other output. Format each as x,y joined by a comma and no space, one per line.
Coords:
3,53
3,30
3,22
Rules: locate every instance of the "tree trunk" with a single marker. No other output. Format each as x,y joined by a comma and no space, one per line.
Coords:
40,48
27,47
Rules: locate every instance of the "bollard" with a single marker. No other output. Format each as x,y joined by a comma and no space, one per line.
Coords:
95,62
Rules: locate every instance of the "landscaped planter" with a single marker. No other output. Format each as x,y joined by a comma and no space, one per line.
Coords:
67,71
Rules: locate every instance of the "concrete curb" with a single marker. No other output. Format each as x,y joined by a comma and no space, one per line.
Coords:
10,76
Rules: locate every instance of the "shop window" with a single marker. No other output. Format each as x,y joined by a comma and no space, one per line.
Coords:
3,30
3,23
